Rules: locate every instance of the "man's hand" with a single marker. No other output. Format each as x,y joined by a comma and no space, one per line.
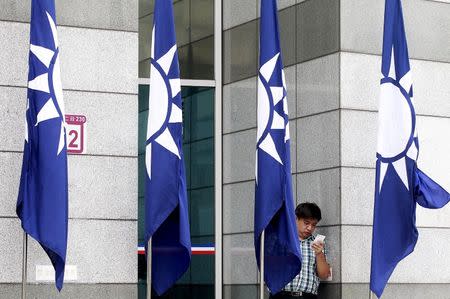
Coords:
323,269
317,247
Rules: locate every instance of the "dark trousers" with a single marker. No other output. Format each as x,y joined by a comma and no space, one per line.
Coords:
287,295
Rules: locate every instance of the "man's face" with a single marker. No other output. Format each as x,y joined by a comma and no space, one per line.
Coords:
306,226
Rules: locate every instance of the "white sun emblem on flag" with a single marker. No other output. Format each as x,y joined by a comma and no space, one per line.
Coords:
50,83
162,110
397,126
268,118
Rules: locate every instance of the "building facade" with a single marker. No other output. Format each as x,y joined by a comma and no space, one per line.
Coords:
99,42
332,57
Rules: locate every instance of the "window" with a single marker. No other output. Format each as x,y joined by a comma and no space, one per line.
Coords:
198,149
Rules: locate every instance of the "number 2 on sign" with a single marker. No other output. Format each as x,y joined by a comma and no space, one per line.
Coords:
73,142
75,133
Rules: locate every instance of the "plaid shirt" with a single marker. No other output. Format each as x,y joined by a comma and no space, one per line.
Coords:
307,280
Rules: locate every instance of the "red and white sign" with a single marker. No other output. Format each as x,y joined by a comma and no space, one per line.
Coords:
75,130
196,250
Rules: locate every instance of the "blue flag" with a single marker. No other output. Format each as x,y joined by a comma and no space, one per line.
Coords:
166,207
399,183
274,207
42,203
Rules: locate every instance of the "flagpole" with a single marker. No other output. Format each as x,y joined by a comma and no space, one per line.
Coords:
149,269
24,263
371,294
261,267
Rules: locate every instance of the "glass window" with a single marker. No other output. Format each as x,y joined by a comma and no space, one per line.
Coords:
194,26
240,52
198,149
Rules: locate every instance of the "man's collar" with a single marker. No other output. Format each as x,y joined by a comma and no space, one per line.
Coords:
310,238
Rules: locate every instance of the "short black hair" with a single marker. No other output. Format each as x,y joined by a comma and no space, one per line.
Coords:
308,210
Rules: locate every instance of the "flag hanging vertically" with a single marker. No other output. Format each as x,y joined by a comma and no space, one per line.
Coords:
399,184
166,207
42,204
274,207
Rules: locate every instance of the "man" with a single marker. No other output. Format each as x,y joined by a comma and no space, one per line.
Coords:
314,260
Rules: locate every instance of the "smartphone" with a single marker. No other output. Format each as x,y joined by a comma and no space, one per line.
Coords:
319,239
